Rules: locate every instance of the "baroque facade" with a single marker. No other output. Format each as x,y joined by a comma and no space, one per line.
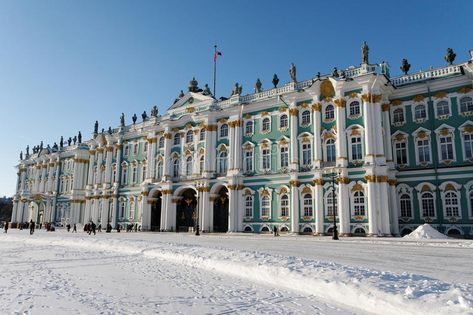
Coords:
383,154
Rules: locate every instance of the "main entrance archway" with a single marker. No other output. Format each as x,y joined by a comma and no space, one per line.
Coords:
156,211
220,216
186,215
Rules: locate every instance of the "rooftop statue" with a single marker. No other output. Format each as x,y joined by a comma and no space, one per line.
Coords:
144,116
292,72
364,53
154,111
450,56
335,72
206,90
109,130
69,141
21,155
41,145
122,120
193,85
237,89
79,137
134,118
318,75
405,66
96,127
61,142
275,80
55,147
74,139
27,150
258,86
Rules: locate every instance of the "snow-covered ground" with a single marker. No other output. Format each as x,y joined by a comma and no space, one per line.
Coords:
144,273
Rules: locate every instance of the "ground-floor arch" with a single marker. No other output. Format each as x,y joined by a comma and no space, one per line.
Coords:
156,209
220,211
186,210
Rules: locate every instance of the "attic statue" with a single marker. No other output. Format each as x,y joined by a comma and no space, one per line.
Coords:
55,147
292,72
275,80
79,137
122,120
27,150
258,86
154,111
109,130
69,141
134,118
237,89
144,116
206,90
21,155
74,139
364,53
61,142
96,127
450,56
405,66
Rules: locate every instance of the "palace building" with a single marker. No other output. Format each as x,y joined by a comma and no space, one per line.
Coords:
382,154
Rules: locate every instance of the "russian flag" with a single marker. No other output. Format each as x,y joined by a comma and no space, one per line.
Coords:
217,53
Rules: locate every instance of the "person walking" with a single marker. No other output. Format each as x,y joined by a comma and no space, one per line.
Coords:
68,226
32,227
6,226
275,231
74,228
99,228
93,227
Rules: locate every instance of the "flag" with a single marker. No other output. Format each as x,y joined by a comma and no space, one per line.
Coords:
217,53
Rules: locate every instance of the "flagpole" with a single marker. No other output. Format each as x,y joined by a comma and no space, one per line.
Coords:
215,68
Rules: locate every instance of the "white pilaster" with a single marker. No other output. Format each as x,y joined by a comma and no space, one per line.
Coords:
295,213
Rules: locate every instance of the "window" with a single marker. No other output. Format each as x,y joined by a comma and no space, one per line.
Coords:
201,165
249,206
330,150
224,131
189,166
284,156
177,138
329,112
127,150
122,210
133,174
266,159
248,161
202,134
308,205
283,121
265,206
159,170
468,143
114,173
354,108
145,147
419,112
249,127
359,203
446,148
132,210
161,142
306,154
466,104
124,175
143,172
427,204
442,108
135,149
398,116
266,125
406,207
471,203
189,136
451,204
423,151
356,152
284,206
222,162
331,203
175,168
305,116
401,152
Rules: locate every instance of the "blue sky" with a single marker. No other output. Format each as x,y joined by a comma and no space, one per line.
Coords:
65,64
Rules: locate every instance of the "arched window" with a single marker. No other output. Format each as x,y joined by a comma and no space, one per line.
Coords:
283,121
266,125
224,131
359,203
175,168
189,166
284,156
134,173
308,205
265,206
131,213
423,150
143,172
145,146
401,152
177,138
306,154
406,207
202,134
122,210
398,116
201,165
356,149
161,142
427,204
466,104
124,175
135,149
331,203
451,204
248,160
471,203
114,173
159,170
329,112
126,150
442,108
330,150
354,108
222,162
284,206
249,127
468,143
305,117
419,112
249,206
266,159
446,147
189,136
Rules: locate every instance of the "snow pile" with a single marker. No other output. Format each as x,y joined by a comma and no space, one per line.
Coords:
425,231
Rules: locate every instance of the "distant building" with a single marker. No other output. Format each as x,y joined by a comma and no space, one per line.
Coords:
400,151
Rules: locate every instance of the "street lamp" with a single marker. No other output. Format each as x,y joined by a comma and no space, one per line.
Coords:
333,175
197,215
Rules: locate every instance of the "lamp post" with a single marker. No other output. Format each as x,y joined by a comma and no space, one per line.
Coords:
333,175
197,215
109,227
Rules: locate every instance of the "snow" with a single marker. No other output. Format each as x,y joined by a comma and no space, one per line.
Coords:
425,231
143,273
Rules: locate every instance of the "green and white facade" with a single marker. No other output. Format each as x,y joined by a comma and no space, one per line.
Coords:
388,154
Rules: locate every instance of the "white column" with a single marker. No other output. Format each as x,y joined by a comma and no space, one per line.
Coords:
394,215
241,210
205,225
317,134
295,214
105,210
50,183
14,213
387,133
108,164
319,206
384,204
294,146
237,146
370,132
165,201
43,177
171,215
98,180
210,147
232,208
118,160
113,213
145,213
90,176
231,147
343,207
167,158
372,207
87,212
341,143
